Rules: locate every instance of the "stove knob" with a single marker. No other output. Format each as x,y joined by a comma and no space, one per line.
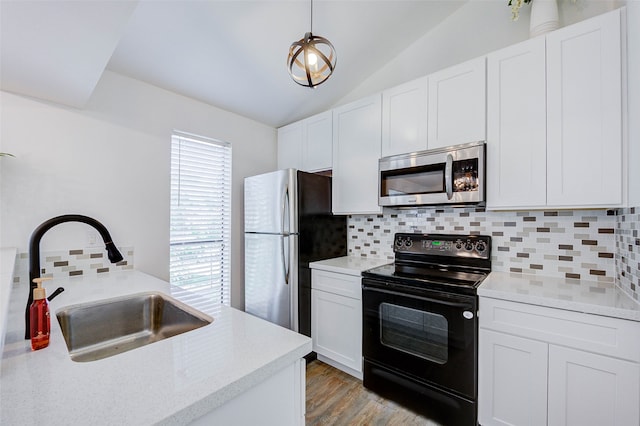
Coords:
458,245
481,246
468,245
399,243
409,243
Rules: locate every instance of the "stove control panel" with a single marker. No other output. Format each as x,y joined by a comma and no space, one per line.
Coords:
476,246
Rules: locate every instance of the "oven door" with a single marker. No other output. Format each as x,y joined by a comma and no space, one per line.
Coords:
428,335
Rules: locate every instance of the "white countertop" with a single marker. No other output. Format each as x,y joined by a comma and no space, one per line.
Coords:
350,265
574,295
173,381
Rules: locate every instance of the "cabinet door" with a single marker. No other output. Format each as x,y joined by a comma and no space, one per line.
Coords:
290,146
356,150
318,141
584,139
516,126
457,104
404,118
512,382
336,328
588,389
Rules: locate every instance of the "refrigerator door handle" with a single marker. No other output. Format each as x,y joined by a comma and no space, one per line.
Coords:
285,204
285,267
285,232
292,273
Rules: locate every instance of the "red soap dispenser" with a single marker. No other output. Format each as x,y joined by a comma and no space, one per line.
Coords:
39,317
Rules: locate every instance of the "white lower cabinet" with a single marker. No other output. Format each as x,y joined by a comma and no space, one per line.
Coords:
591,389
546,366
336,320
513,376
278,400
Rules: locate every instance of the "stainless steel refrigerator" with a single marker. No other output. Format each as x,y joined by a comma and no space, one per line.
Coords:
288,223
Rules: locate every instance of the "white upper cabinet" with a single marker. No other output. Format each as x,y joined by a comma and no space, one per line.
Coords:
550,109
317,142
516,126
457,104
357,134
290,146
404,118
306,144
584,132
565,150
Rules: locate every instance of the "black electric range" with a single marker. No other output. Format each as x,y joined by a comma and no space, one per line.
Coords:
420,328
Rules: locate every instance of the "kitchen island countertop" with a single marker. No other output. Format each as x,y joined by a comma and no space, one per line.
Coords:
589,297
173,381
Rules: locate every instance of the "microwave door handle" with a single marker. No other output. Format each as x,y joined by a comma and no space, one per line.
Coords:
448,176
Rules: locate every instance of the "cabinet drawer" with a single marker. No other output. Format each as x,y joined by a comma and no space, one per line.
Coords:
593,333
333,282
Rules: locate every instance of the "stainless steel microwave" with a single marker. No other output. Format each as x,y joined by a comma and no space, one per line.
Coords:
452,175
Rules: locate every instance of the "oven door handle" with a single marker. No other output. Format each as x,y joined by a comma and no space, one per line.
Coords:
467,305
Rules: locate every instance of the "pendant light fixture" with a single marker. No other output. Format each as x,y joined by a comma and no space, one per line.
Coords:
312,59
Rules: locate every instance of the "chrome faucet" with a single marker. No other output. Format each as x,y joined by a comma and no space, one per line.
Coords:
34,251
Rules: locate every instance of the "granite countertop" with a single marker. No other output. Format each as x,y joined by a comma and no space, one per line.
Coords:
173,381
574,295
350,265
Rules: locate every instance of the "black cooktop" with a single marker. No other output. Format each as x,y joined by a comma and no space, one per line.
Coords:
456,263
426,275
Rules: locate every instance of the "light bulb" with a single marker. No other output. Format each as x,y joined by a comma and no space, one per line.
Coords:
313,59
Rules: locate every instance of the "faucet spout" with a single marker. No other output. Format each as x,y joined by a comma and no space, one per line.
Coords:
34,252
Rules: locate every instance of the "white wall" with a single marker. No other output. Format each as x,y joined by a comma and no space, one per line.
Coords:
111,161
475,29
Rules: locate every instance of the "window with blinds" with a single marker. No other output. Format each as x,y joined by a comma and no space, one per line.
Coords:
200,236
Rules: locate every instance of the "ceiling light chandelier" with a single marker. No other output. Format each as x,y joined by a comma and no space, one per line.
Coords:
312,59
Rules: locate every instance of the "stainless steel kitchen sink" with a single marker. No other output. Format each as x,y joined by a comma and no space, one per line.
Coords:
104,328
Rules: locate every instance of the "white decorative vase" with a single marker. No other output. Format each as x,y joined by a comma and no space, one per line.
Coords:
544,17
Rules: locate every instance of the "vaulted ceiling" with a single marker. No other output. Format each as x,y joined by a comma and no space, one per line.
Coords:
227,53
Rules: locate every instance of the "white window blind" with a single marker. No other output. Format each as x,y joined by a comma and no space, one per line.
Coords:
200,237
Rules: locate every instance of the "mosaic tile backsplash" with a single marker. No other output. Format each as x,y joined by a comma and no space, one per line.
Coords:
579,244
69,263
628,251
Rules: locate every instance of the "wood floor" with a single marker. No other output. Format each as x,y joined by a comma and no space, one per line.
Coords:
336,398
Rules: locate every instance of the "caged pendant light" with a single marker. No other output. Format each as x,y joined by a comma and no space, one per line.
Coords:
312,59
